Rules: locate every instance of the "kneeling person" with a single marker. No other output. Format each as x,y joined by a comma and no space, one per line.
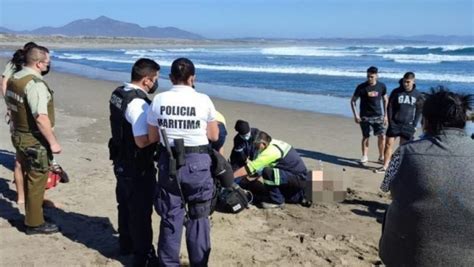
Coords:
243,149
284,172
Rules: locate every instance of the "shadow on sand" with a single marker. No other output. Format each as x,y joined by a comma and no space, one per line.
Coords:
7,159
374,209
337,160
96,233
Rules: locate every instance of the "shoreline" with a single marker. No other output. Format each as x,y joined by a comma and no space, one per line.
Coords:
14,40
312,103
340,233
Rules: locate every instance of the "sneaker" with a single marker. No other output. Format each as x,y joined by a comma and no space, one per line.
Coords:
306,203
45,228
364,159
381,160
380,170
268,205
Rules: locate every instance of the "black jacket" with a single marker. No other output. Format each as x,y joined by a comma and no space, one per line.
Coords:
243,149
405,107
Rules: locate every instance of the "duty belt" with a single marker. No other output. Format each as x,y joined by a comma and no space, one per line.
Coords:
196,149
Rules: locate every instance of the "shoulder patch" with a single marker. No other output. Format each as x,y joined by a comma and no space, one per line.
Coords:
116,101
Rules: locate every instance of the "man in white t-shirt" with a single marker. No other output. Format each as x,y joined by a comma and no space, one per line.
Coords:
132,154
190,117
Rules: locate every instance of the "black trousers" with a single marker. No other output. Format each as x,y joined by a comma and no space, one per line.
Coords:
135,191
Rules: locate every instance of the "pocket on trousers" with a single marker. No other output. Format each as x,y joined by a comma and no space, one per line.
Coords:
197,167
161,202
199,185
37,158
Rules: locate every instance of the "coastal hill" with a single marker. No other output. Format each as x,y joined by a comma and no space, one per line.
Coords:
107,27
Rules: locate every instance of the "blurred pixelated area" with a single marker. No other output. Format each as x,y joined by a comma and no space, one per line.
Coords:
327,185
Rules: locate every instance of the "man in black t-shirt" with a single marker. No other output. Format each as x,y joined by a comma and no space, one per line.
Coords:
404,113
372,114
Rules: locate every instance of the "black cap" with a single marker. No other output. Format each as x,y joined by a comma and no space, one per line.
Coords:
242,127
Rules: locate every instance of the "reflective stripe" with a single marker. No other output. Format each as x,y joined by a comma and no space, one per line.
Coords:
282,146
276,178
270,156
276,175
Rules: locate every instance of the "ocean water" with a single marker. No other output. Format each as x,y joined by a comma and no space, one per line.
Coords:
331,70
319,78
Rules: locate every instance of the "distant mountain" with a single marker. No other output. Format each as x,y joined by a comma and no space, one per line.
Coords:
5,30
104,26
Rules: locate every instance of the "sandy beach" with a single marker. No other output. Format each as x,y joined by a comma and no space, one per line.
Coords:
327,234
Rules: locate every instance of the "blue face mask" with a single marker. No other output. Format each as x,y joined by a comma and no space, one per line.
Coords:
246,136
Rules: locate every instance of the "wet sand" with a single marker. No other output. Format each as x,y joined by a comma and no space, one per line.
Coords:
327,234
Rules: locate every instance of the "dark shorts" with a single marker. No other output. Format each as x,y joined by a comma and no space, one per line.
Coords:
376,123
407,132
222,135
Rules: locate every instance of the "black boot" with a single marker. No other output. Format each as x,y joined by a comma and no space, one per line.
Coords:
45,228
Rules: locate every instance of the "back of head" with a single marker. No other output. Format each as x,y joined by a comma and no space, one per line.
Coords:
181,70
263,137
372,70
242,127
19,57
36,54
144,67
445,109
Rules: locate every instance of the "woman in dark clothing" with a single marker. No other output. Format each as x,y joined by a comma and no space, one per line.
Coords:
429,222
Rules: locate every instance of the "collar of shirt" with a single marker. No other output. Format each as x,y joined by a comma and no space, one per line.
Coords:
181,88
131,86
27,71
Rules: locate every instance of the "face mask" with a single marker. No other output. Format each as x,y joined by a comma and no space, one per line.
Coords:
44,72
154,87
246,136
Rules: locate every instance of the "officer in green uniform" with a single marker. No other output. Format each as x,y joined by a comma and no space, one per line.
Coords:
32,112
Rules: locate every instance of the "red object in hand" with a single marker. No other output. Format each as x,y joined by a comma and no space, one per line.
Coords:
53,179
56,175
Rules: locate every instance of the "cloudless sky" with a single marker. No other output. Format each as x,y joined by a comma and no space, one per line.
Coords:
257,18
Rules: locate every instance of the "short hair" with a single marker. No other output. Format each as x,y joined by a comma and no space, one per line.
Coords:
445,109
372,70
262,137
19,57
182,69
409,75
35,54
144,67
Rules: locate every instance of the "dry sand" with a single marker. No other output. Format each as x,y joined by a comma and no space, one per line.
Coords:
324,235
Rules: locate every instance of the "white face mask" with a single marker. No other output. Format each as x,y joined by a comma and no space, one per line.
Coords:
246,136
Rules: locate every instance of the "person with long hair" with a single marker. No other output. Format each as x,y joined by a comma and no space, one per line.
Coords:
13,66
431,180
31,102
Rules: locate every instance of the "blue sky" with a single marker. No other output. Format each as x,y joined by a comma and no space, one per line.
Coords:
257,18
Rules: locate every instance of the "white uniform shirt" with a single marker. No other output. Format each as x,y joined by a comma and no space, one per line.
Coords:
136,112
184,113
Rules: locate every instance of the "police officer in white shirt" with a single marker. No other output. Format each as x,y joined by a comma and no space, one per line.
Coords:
132,154
191,116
